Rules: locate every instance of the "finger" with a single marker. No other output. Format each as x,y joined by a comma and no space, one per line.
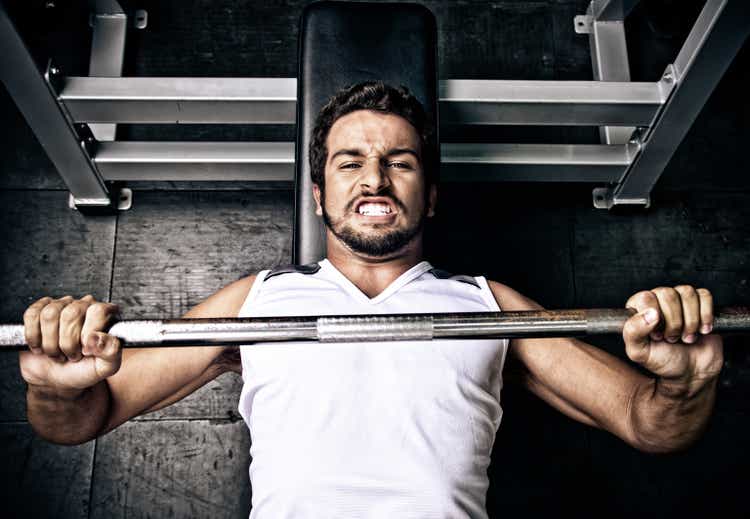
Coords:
71,322
636,334
98,316
670,305
706,309
108,352
50,326
691,318
640,302
31,326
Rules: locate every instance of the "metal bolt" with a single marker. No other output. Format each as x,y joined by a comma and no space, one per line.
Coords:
668,77
49,4
54,71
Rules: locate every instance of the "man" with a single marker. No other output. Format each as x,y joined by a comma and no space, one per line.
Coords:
370,429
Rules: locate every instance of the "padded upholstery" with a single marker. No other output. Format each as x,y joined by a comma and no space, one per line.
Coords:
343,43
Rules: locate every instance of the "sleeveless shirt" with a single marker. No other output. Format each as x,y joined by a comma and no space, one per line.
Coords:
373,429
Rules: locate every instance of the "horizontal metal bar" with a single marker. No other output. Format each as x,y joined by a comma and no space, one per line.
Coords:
215,161
261,161
535,162
181,100
273,101
573,103
368,328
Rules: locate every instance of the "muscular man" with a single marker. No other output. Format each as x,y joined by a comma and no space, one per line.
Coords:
369,429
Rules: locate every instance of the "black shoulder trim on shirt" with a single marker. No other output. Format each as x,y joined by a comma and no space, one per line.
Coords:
441,274
310,268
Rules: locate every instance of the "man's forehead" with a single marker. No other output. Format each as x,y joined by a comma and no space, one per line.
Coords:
368,129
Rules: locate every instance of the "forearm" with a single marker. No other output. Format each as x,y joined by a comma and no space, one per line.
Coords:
68,417
668,416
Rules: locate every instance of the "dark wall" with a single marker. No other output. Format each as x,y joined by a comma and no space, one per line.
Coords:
180,242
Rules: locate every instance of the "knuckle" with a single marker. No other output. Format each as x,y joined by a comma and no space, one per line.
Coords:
670,295
644,297
97,310
31,313
685,290
71,312
42,301
704,292
50,312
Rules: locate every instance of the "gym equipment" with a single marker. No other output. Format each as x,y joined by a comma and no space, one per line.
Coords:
368,328
61,110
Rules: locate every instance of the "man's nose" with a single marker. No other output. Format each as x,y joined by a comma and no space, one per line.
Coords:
374,177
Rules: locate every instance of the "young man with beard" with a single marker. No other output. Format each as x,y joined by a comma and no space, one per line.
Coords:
370,429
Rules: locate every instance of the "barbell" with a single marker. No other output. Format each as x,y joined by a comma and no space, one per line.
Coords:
365,328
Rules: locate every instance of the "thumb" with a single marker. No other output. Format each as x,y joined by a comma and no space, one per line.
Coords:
107,351
636,332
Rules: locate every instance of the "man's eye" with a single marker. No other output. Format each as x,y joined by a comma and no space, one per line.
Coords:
400,165
351,165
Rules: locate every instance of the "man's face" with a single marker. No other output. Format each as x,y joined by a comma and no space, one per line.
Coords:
374,198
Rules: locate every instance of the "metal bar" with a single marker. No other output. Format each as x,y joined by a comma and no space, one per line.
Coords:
718,34
612,10
107,53
534,162
47,118
368,328
151,100
609,60
196,161
574,103
123,161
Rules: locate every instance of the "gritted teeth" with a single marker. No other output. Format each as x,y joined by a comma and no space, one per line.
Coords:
373,209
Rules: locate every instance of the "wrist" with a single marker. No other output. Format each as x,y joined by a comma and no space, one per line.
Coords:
56,393
683,388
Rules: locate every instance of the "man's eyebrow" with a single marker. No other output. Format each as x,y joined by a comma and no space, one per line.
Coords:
352,152
400,151
392,151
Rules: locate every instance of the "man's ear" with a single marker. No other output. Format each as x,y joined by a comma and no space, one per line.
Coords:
432,201
316,196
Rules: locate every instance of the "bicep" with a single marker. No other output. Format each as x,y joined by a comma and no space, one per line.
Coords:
576,378
152,378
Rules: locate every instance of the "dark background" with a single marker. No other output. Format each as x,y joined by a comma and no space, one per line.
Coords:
182,241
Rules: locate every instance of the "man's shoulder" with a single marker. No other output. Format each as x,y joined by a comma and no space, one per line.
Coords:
225,302
509,299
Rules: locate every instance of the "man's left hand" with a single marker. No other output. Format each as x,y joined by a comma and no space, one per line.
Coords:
670,336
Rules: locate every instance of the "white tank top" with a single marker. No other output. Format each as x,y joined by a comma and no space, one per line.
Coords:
370,430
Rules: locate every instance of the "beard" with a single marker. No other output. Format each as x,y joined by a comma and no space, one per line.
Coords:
381,241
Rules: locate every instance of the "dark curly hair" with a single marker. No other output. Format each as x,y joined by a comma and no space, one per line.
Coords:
381,97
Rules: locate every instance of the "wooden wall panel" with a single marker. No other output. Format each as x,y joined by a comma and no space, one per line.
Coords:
507,233
39,479
179,469
176,249
685,238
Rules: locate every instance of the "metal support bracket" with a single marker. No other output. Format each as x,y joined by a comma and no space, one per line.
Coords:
122,198
717,35
609,53
109,23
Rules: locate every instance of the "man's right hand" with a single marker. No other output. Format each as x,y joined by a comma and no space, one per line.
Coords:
69,349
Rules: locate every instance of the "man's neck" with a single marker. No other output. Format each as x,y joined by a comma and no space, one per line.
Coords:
370,274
